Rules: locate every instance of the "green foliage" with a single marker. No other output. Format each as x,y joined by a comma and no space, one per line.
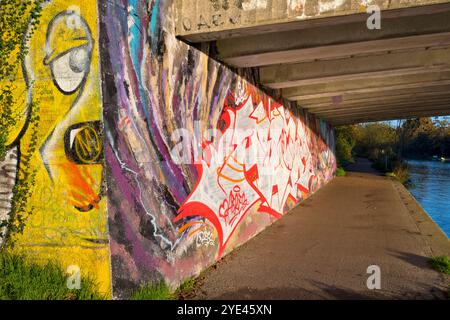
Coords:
400,173
161,291
377,140
23,187
441,264
387,145
343,149
22,280
346,137
18,20
187,285
340,172
425,137
7,118
153,291
186,289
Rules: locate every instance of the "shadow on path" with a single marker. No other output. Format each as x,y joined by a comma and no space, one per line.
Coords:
322,249
362,165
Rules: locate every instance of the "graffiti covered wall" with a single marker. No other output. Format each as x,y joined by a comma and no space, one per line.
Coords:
56,156
198,161
178,162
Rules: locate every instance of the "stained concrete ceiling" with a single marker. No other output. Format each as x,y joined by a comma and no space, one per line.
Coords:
322,55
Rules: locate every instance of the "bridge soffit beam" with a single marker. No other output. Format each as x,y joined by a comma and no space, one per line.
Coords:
336,51
391,64
398,109
337,93
438,109
367,104
347,121
200,20
383,93
351,85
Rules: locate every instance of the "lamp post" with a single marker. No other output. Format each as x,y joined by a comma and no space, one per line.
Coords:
385,159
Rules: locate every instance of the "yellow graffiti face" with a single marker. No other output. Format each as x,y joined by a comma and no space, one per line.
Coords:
63,74
68,220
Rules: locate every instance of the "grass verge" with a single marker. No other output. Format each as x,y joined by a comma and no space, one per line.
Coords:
340,172
153,291
24,280
400,172
441,264
186,288
161,291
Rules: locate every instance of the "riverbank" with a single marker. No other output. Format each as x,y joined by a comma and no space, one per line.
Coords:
430,186
322,248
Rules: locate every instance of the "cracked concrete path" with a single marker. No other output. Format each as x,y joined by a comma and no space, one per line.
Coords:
323,247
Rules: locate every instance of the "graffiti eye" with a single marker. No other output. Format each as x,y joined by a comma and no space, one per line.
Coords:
70,69
83,143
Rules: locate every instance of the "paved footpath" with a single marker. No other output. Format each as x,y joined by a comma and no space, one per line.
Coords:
322,248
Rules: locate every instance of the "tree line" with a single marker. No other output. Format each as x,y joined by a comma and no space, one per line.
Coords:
388,144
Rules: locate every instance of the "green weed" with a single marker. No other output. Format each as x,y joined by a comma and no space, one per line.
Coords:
23,280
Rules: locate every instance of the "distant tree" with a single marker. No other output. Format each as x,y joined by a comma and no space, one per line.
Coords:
424,137
346,137
442,136
377,138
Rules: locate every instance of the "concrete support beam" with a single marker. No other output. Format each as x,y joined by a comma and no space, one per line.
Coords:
334,89
364,90
383,108
400,108
445,111
310,44
370,102
401,63
342,50
201,20
365,76
387,92
407,112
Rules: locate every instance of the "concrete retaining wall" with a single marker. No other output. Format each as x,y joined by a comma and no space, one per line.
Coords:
198,160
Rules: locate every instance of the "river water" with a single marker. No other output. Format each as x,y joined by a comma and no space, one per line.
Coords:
431,188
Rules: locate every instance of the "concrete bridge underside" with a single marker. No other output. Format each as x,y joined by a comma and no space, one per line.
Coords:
321,54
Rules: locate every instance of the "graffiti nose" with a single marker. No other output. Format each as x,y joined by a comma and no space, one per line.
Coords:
83,143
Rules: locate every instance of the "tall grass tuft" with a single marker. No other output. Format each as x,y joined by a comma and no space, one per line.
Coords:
161,291
24,280
441,264
340,172
153,291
